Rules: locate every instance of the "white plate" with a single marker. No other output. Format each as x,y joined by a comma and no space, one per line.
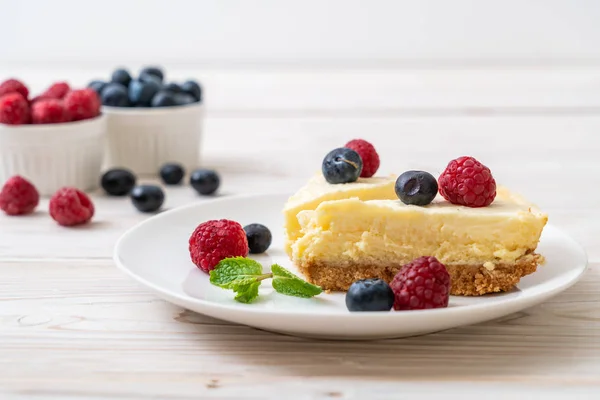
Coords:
155,253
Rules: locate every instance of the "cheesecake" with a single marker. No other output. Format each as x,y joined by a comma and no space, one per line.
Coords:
337,234
318,190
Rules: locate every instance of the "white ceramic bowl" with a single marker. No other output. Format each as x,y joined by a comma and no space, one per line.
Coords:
143,139
54,155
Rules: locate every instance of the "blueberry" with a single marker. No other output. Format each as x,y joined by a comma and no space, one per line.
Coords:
163,99
155,71
141,93
172,87
115,95
121,76
369,295
416,187
117,181
144,77
97,86
183,99
205,181
147,198
171,173
192,88
259,238
342,165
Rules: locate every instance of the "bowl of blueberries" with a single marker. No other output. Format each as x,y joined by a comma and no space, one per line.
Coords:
150,121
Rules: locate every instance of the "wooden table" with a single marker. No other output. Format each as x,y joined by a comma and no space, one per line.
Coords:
72,326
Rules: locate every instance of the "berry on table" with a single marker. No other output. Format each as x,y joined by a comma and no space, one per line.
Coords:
115,95
121,76
154,71
12,86
18,196
172,87
467,182
192,88
147,198
369,295
368,154
416,187
172,173
141,93
49,111
342,165
14,109
205,181
421,284
117,181
97,86
163,99
215,240
70,207
259,238
82,104
182,99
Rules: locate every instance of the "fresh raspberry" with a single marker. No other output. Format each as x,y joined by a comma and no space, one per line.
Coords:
215,240
12,86
57,91
18,196
48,111
467,182
14,109
421,284
82,104
69,206
368,154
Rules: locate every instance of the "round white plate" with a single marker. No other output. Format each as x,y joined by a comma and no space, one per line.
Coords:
155,253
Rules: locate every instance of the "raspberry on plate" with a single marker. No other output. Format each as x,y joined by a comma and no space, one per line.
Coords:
215,240
48,111
12,86
368,154
69,207
82,104
14,109
421,284
467,182
18,196
57,91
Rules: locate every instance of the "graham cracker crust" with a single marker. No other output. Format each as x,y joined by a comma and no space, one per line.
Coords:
466,280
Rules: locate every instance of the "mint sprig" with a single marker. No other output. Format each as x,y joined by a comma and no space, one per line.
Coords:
244,276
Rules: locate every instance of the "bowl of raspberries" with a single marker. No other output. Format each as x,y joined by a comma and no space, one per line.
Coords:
150,121
56,138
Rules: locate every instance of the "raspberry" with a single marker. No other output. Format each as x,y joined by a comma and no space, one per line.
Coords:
369,156
14,109
69,206
12,86
82,104
48,111
215,240
18,196
467,182
57,91
421,284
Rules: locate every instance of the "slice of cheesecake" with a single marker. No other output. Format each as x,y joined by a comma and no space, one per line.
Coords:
485,249
318,190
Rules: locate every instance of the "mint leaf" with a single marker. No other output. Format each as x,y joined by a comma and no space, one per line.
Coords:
234,272
247,293
285,282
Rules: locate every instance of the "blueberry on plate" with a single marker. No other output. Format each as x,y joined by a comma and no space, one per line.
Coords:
163,99
154,71
172,87
147,198
97,86
369,295
416,187
141,93
144,77
342,165
121,76
259,238
182,99
172,173
115,95
205,181
192,87
117,181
